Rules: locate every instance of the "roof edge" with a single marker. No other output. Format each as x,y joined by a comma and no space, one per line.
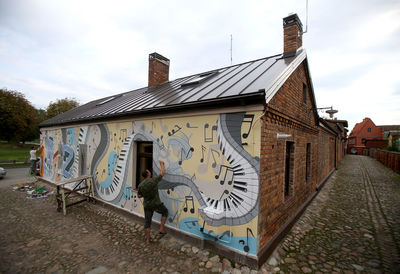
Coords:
221,102
281,79
326,125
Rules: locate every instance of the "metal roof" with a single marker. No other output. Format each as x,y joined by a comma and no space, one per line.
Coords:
257,78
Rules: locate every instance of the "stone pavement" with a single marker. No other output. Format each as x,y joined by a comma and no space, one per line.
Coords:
353,226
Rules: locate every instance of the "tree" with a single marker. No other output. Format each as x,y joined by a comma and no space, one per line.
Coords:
17,116
40,116
60,106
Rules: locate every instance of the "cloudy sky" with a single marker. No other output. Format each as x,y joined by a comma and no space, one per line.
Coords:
52,49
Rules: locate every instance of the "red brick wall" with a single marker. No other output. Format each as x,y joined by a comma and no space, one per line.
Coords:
343,148
289,99
275,208
326,154
390,159
375,144
286,114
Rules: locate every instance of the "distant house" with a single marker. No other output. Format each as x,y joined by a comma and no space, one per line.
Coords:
394,140
244,148
389,129
363,132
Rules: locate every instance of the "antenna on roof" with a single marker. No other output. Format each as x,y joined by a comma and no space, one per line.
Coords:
231,48
306,17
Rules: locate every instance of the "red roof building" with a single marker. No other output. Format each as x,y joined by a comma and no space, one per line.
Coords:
361,133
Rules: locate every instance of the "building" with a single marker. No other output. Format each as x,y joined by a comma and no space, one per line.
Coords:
394,140
389,129
244,148
340,129
363,132
391,135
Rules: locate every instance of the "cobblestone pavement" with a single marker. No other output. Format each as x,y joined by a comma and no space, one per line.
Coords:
353,226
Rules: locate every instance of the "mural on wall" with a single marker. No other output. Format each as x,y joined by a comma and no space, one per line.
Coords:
50,141
112,187
211,185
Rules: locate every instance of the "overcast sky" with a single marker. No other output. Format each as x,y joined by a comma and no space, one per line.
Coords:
53,49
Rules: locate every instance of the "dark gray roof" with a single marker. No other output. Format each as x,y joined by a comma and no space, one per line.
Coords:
247,81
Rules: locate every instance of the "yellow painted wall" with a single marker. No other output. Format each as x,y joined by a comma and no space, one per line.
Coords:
207,157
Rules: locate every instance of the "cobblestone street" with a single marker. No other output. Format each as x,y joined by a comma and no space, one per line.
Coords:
353,226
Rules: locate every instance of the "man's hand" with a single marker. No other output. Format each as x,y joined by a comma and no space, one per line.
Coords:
162,172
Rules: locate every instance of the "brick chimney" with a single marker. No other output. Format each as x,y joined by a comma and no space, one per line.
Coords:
292,35
158,69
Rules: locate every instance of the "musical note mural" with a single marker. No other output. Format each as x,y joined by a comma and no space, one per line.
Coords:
191,203
211,185
49,140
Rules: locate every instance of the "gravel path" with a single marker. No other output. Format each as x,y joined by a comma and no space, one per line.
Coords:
351,227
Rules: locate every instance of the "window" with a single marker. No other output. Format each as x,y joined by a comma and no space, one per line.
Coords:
108,100
144,160
289,164
308,162
304,93
369,129
199,78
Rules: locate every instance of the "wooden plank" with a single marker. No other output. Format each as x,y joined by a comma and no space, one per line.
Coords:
81,178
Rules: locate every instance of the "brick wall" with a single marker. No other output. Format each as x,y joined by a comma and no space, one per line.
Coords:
375,144
275,207
286,114
390,159
326,154
343,148
289,99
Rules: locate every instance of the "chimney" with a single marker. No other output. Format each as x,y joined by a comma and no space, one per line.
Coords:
292,35
158,69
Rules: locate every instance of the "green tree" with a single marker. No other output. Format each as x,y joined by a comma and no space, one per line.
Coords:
17,116
60,106
40,116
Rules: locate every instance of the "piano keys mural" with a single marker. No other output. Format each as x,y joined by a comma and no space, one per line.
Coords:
211,184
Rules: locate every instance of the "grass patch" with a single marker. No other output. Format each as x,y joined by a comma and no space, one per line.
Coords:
14,152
